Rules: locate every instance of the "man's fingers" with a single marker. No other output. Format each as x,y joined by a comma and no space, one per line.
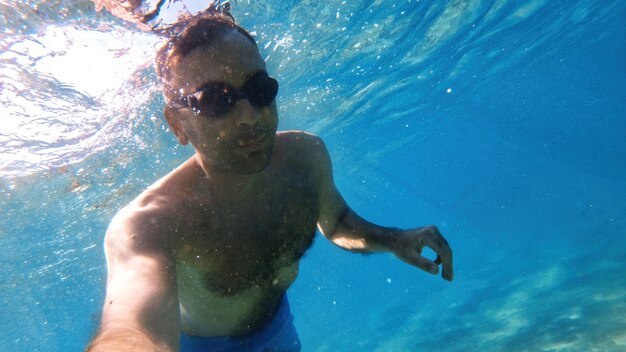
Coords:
448,272
417,260
433,239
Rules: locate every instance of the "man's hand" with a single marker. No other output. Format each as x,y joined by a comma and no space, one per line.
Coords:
408,245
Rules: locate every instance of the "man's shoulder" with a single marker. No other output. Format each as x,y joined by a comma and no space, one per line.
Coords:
146,218
297,136
307,151
164,195
146,208
301,144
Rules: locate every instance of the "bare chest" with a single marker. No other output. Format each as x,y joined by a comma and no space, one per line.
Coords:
244,242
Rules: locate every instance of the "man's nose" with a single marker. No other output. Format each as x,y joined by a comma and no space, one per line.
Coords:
247,114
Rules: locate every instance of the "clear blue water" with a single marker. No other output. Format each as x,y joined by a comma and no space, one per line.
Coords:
502,122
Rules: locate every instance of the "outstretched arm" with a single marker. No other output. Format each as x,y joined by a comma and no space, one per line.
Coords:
141,309
347,229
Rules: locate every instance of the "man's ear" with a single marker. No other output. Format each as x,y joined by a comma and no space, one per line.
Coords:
173,119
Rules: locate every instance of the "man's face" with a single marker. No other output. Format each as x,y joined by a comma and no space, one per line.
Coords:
240,140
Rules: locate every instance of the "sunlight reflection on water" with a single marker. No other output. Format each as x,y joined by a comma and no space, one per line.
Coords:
64,91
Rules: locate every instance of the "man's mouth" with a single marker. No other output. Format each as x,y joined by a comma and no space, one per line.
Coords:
252,144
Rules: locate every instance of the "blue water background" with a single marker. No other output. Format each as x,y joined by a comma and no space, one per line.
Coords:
502,122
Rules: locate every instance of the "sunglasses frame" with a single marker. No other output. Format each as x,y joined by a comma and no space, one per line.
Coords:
254,89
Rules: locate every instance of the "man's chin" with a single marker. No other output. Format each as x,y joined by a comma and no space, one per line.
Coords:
253,162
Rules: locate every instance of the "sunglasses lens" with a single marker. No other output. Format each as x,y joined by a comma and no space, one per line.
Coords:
212,101
261,90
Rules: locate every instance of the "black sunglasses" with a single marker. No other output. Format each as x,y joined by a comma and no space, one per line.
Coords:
217,98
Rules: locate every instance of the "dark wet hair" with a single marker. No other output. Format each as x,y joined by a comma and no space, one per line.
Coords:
190,33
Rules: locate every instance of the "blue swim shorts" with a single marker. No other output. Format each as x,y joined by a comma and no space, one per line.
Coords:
279,335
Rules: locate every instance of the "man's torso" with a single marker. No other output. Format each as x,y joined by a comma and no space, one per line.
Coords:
236,253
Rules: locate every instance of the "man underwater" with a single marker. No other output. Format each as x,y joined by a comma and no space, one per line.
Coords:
202,259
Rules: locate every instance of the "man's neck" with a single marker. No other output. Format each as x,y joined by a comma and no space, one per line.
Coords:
228,180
